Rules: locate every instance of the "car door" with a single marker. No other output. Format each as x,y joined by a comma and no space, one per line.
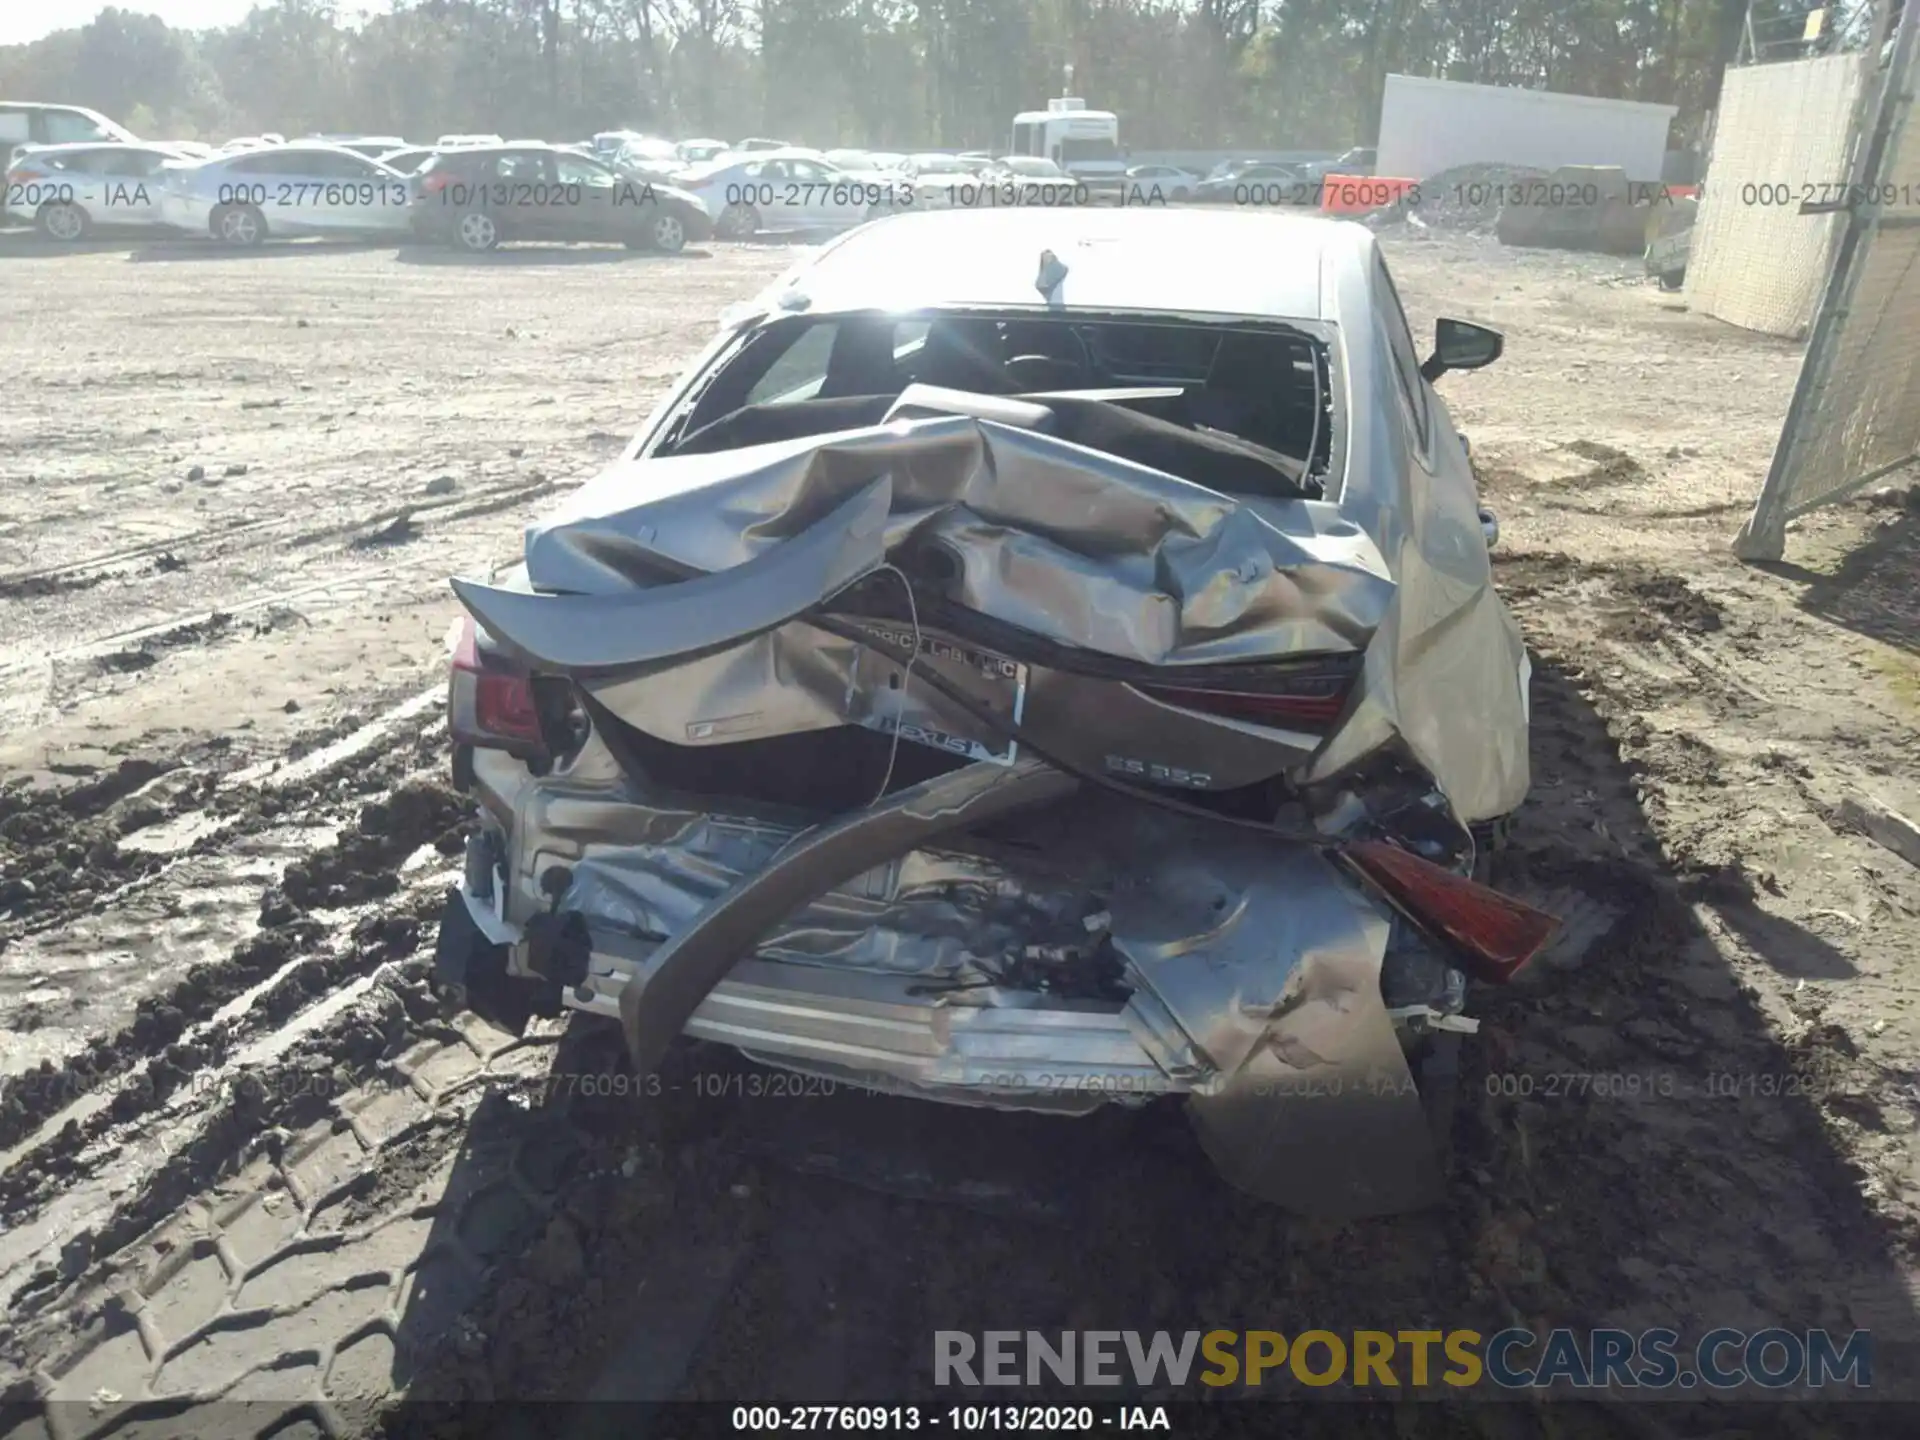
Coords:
129,179
292,180
818,199
361,197
594,201
521,192
779,197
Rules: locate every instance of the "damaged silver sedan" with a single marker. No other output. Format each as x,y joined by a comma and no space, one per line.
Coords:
1035,659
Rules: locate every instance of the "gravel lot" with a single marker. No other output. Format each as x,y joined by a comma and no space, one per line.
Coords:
245,1153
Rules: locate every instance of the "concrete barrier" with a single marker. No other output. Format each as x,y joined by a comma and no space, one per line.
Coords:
1358,194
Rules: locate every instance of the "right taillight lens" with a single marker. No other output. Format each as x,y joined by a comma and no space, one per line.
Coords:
1494,935
1302,697
431,183
490,699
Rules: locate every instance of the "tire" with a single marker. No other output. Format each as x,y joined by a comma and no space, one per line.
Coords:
738,222
476,232
242,226
1673,279
666,233
1437,1075
1182,195
66,223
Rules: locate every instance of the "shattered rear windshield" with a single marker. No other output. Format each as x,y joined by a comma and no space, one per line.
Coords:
1266,392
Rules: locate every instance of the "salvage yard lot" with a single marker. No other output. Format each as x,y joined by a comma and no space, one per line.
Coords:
231,491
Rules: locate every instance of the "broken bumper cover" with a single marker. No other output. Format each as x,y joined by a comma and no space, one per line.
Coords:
1249,969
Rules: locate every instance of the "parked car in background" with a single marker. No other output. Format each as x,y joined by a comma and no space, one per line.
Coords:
1028,167
371,146
784,190
252,142
193,149
449,142
1263,185
698,152
286,190
1052,829
642,149
645,162
757,142
69,191
408,160
478,197
31,122
1360,160
1169,180
935,178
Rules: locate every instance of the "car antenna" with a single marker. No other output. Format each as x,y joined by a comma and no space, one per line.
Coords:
1052,272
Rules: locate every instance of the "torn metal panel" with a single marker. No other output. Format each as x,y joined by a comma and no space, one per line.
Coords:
564,632
695,959
1059,541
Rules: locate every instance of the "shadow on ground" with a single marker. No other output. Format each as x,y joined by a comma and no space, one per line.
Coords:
1875,591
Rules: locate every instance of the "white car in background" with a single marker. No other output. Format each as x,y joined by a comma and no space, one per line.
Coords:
938,180
698,152
793,189
69,191
285,190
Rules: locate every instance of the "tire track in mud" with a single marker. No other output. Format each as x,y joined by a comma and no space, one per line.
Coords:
175,552
71,850
359,867
124,651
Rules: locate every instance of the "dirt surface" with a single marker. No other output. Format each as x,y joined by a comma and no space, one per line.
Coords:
246,1155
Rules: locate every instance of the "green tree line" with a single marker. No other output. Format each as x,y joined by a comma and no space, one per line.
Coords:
892,73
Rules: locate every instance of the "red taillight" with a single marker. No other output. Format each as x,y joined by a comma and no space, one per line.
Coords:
1494,934
1292,700
433,184
22,177
490,701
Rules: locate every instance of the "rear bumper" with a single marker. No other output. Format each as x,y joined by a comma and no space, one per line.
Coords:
1251,972
876,1030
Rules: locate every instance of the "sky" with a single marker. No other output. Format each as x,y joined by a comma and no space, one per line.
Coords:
25,20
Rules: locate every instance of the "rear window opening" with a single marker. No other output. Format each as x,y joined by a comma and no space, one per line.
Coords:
1252,415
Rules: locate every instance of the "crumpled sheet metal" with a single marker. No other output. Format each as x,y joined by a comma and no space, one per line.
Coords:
1255,966
934,913
1091,551
1080,547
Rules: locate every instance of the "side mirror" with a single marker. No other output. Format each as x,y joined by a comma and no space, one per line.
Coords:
1461,345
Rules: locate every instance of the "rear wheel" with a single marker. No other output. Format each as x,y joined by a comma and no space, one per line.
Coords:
63,222
737,222
241,225
665,232
1673,279
477,231
1437,1076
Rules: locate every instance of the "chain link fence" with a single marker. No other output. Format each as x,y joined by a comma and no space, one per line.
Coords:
1855,414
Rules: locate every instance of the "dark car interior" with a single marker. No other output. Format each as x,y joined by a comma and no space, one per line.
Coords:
1250,410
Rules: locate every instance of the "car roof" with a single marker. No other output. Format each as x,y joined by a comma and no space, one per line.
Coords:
292,147
1249,263
66,147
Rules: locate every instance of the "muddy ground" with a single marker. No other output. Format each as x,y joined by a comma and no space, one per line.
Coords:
246,1155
